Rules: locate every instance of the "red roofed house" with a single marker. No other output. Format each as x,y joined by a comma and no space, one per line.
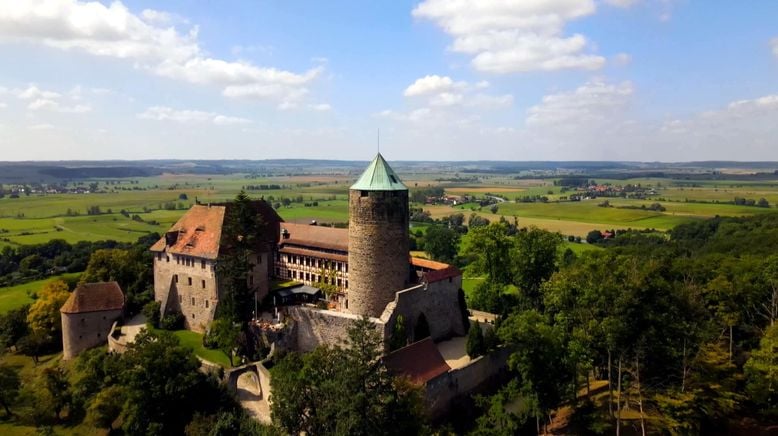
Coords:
185,259
88,314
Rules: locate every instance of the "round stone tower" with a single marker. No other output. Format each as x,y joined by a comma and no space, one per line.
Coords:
377,239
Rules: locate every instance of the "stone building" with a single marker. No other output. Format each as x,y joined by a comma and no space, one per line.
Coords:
378,239
186,258
87,316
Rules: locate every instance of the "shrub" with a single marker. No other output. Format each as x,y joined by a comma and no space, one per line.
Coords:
172,321
151,311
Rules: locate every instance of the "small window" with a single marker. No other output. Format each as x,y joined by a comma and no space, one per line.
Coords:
278,272
193,301
98,335
189,280
346,284
307,277
251,280
206,304
340,283
175,278
202,263
79,336
168,258
193,316
363,193
203,284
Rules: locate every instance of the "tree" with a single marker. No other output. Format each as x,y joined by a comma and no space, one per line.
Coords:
57,385
534,260
494,208
13,326
399,336
487,248
151,311
441,243
224,335
475,341
538,360
334,390
593,237
162,382
9,386
44,316
106,406
761,372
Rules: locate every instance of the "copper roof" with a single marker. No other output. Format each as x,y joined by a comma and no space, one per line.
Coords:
420,361
197,233
330,238
313,253
94,297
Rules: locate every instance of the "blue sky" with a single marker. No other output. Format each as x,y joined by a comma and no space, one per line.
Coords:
667,80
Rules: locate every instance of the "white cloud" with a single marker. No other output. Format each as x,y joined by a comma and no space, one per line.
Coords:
41,126
321,107
774,43
621,3
41,99
592,102
155,17
621,60
432,84
164,113
506,36
3,105
114,31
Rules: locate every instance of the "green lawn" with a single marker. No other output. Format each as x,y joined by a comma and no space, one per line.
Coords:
194,341
17,296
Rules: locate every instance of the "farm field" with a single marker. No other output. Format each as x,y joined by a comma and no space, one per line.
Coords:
13,297
38,218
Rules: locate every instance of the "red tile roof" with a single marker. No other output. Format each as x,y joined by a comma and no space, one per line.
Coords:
441,274
420,361
314,253
428,264
94,297
197,233
306,235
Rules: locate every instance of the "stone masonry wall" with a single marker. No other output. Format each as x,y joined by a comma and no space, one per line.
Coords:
86,330
378,249
439,303
323,327
194,293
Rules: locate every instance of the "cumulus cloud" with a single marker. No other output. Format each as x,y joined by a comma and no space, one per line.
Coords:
165,113
621,3
46,100
114,31
443,91
432,84
594,101
506,36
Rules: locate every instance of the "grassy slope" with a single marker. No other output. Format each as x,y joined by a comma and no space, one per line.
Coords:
194,341
16,296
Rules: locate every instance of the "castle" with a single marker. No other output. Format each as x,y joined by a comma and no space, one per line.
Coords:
366,269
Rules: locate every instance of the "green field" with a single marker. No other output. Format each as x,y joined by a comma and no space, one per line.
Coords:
17,296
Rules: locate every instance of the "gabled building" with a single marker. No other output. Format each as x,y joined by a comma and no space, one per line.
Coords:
186,259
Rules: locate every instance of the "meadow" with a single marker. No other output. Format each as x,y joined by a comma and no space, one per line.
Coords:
157,202
13,297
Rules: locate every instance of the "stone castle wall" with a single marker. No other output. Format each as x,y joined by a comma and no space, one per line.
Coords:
81,331
193,293
316,327
480,375
437,301
378,249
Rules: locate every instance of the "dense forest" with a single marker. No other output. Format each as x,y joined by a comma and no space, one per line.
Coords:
681,326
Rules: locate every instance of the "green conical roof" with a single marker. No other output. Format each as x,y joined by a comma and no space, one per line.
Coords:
379,176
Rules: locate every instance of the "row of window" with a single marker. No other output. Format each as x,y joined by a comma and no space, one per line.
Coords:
183,260
188,280
308,277
194,301
316,262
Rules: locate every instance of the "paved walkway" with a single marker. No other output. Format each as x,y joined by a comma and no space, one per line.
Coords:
454,352
252,399
131,329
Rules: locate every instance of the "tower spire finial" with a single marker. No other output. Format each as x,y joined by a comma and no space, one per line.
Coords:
378,141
